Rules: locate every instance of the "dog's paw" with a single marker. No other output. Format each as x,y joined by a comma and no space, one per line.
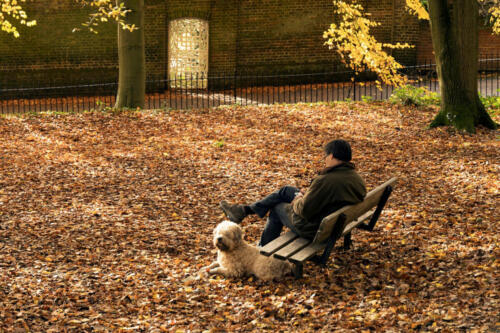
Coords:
215,271
220,271
206,270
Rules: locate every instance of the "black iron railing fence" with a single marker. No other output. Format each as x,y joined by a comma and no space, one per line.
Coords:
206,91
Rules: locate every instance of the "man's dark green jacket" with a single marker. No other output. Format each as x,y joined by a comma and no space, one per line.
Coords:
332,189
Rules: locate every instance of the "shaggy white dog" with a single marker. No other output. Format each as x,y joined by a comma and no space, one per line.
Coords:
236,258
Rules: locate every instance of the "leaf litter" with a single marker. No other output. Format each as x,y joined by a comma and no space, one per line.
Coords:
106,220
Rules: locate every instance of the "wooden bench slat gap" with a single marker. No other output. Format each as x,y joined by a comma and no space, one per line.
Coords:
278,243
297,245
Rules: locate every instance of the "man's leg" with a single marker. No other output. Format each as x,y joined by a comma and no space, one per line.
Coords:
237,213
284,195
278,217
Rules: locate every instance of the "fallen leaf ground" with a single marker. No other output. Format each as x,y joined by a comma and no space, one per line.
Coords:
106,219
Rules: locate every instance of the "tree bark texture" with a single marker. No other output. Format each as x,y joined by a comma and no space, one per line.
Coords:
131,58
455,41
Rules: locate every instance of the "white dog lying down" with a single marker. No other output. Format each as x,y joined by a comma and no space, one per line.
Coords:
236,258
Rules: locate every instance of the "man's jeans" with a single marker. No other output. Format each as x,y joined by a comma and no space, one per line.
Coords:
275,204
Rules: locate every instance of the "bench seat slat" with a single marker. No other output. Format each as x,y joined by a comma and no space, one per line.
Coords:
278,243
309,251
292,248
306,253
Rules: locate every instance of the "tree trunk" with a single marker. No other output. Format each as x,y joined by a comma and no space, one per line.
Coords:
455,43
131,58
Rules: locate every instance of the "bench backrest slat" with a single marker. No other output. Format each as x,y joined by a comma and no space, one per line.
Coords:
351,212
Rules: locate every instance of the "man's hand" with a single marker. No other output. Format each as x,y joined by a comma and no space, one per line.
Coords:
298,195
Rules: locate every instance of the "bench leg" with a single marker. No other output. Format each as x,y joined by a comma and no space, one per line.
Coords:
336,233
298,269
378,210
327,251
347,241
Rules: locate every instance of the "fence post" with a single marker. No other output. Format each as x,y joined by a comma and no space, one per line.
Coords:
354,84
234,87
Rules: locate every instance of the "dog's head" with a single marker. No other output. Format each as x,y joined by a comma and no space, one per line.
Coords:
227,236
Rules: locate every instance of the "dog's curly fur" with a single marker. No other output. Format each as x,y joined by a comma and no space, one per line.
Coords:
236,258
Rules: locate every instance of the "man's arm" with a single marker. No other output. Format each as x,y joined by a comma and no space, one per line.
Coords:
311,202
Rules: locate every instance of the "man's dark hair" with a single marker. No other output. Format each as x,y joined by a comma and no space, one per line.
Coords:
340,149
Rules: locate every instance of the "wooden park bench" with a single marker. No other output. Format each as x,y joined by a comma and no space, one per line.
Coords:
297,250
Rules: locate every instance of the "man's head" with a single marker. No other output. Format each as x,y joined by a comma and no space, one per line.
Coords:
336,152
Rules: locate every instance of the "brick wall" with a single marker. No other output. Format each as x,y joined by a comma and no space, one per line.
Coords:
51,53
286,35
397,25
244,35
489,44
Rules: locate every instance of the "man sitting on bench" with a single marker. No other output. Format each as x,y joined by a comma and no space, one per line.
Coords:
336,186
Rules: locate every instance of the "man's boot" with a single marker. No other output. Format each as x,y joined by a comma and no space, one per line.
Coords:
235,213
